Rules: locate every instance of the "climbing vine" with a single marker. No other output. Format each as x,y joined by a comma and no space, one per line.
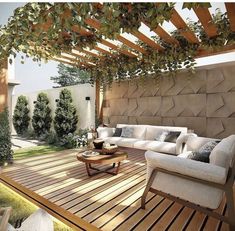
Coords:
44,30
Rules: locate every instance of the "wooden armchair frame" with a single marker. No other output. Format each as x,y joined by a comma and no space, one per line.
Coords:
227,188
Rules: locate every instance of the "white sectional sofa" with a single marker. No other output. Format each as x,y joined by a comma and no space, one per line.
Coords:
143,138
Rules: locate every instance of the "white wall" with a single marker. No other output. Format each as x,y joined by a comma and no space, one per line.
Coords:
85,109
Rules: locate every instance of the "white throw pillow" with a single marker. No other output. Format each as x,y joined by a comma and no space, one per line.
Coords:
127,132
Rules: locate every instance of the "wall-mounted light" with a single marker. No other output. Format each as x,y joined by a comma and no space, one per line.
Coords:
88,98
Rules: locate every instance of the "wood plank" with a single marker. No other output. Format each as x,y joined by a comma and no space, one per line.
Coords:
147,40
180,24
182,220
75,205
129,211
101,50
126,198
102,178
109,194
230,7
205,18
76,60
197,221
87,187
165,221
63,61
165,36
153,210
131,44
96,24
114,47
56,211
212,223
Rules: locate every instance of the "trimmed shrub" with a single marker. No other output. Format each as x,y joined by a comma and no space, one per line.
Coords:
21,115
41,120
6,154
66,118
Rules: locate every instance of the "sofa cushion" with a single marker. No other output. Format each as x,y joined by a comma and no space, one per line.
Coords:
204,152
105,132
127,132
157,146
118,132
224,152
127,142
112,140
139,130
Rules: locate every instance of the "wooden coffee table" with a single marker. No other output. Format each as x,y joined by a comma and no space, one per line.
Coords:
103,159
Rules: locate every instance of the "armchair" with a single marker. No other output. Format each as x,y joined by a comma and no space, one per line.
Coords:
195,184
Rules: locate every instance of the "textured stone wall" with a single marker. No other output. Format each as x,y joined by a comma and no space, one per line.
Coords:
204,102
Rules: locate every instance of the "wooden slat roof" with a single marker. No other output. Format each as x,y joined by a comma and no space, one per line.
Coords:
133,50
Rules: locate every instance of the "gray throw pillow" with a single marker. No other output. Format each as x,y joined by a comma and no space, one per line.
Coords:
127,132
161,136
118,132
204,152
172,136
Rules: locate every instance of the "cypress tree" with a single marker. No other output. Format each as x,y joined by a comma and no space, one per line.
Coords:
41,121
66,118
21,115
5,137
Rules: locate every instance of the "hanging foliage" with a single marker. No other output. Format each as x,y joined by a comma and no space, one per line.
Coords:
44,30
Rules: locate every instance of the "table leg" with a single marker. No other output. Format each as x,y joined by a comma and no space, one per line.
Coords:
88,169
114,172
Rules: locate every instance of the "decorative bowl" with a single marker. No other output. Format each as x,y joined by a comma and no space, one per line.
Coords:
98,144
110,149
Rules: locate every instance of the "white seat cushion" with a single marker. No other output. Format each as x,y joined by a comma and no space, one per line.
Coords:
197,193
194,192
112,140
158,146
121,141
127,142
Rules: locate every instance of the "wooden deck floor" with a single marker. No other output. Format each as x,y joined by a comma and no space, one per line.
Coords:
58,183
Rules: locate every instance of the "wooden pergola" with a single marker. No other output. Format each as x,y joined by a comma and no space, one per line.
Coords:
84,57
177,20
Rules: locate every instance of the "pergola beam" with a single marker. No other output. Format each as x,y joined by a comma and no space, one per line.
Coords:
147,40
131,44
114,47
180,24
230,7
165,36
205,18
96,24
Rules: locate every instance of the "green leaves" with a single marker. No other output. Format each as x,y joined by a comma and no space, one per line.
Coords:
45,30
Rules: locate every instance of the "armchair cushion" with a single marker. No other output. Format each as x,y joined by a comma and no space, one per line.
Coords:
196,169
196,192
